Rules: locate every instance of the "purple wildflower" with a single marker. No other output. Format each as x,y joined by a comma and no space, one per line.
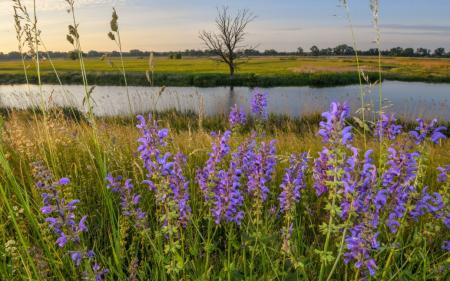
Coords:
76,257
129,200
99,272
333,130
164,172
180,189
446,246
358,180
237,116
321,166
362,240
293,182
360,243
259,104
333,163
428,203
61,216
397,185
365,186
423,130
443,173
228,198
260,173
221,185
62,222
387,127
151,141
207,176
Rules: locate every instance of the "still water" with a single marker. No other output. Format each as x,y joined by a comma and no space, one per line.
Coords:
407,99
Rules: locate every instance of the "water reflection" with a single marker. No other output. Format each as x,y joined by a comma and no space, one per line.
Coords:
408,99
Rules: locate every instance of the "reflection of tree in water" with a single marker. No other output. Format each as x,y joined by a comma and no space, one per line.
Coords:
231,99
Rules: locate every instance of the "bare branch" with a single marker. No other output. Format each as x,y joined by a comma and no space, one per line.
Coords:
228,43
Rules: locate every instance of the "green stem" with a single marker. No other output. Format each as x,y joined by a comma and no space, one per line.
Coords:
358,67
253,250
391,252
207,250
327,239
119,42
341,248
356,275
230,235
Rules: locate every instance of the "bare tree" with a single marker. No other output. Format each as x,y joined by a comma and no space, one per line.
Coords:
228,43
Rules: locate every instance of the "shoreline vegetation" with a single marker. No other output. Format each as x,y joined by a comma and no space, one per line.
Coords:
261,72
192,122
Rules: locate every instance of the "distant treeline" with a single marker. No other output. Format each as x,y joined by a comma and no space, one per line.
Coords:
340,50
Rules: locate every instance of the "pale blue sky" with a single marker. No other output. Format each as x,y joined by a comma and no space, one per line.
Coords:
282,25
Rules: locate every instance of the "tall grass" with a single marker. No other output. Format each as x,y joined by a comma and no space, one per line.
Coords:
307,243
73,141
114,35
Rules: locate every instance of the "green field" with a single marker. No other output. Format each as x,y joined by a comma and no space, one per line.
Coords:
257,71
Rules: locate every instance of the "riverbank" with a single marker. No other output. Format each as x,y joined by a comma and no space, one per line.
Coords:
190,121
217,79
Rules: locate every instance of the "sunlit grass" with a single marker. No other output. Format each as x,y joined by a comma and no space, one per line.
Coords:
70,151
258,65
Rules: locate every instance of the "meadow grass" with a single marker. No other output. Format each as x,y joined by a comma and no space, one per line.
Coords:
70,153
61,153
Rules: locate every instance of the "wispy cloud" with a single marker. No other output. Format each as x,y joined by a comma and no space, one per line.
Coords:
415,29
50,5
283,25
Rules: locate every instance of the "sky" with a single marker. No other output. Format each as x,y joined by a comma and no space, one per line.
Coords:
284,25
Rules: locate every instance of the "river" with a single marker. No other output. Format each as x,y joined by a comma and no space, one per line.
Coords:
408,99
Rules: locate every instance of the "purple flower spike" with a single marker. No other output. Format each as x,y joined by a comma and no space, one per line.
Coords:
64,181
179,186
387,128
62,240
428,203
63,220
360,243
293,182
423,130
443,173
321,166
333,130
207,176
261,171
259,104
76,257
397,183
164,173
129,200
61,215
221,185
237,116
